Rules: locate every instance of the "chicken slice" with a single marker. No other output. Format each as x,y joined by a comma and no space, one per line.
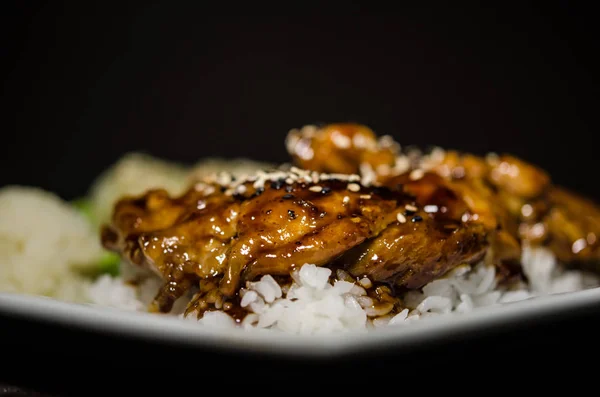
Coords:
239,231
340,148
415,252
284,228
573,229
514,200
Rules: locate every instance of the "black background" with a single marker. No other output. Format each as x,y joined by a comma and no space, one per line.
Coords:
88,83
85,84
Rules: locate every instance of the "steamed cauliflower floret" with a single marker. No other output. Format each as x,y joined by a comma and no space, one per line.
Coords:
44,244
133,174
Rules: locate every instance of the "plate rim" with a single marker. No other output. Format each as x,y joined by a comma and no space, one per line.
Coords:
168,329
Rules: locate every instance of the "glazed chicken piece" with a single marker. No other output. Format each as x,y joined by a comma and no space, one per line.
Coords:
573,228
495,190
514,200
427,241
212,232
180,239
531,210
340,148
230,234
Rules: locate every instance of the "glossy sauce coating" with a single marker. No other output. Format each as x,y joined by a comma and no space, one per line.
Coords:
514,200
339,148
206,233
211,234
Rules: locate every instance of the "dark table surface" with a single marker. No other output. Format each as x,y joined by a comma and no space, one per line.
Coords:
61,361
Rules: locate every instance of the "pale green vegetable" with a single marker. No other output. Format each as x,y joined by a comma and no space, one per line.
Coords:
84,206
108,262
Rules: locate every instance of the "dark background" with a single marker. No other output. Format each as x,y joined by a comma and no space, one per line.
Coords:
85,84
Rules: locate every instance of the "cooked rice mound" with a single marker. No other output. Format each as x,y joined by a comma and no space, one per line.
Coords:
314,304
44,244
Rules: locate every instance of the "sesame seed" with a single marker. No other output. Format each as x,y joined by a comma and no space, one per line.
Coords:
224,178
353,187
401,165
458,172
401,218
430,208
275,179
365,196
291,214
341,141
260,182
200,186
578,245
527,210
433,159
288,196
299,171
368,174
438,154
346,200
365,282
410,207
416,218
355,220
209,190
340,177
416,174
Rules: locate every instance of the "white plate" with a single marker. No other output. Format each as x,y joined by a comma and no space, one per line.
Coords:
172,330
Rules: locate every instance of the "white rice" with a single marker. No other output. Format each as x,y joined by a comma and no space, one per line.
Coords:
313,305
